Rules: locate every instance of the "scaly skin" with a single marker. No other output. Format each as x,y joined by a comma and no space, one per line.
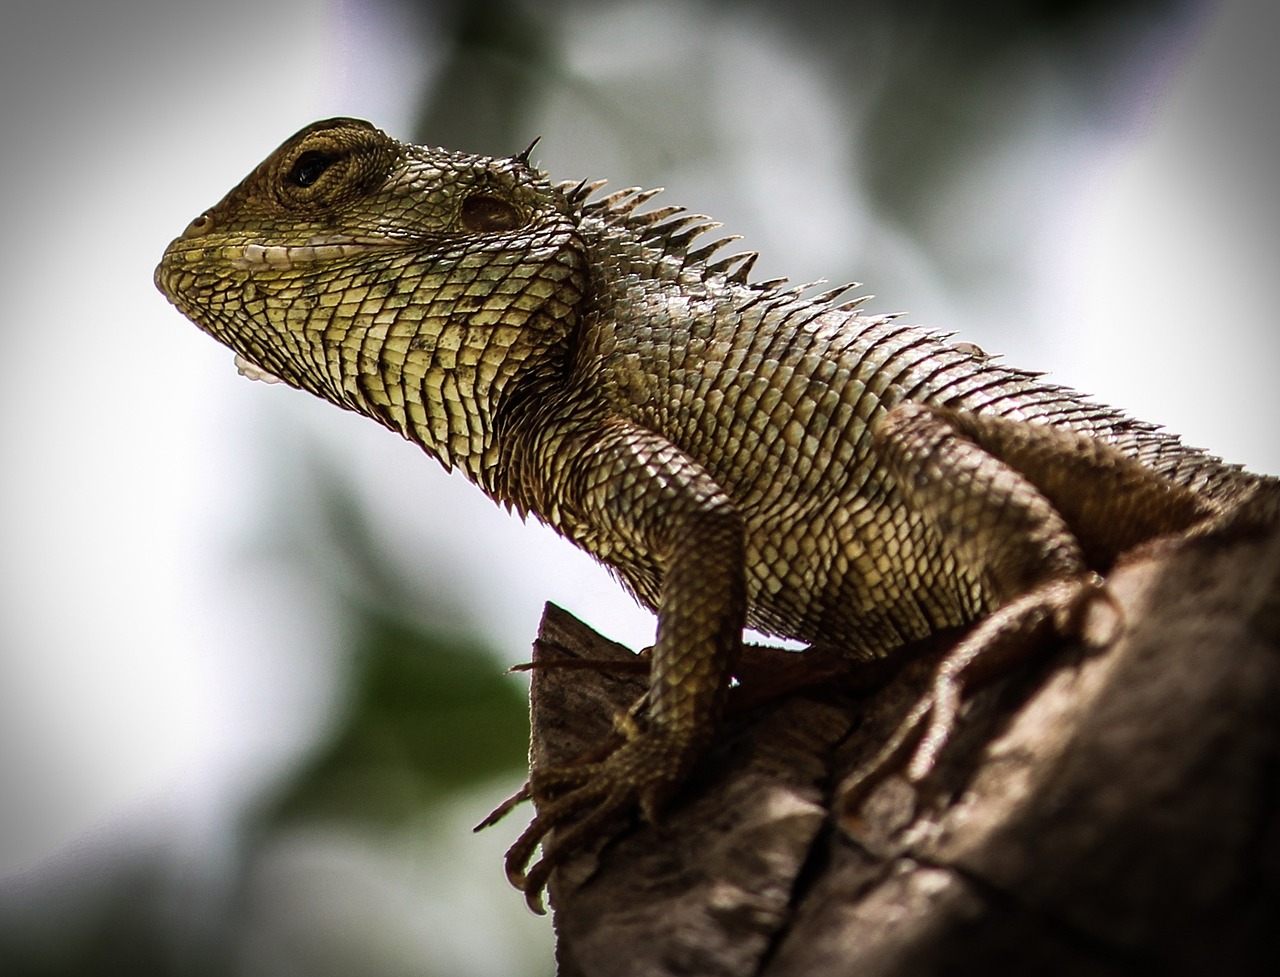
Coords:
737,452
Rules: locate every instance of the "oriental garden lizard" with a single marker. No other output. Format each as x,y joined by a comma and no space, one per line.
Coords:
739,453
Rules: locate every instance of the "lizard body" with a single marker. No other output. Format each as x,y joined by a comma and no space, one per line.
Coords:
738,453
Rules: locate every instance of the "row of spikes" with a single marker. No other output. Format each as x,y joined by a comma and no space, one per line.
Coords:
673,229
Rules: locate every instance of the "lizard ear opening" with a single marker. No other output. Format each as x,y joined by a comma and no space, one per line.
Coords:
485,212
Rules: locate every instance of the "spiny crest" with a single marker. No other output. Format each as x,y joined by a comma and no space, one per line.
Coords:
670,229
673,230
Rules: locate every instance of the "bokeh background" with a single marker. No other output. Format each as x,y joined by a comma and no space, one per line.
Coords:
252,649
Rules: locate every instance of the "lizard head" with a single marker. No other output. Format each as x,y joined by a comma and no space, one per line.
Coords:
418,286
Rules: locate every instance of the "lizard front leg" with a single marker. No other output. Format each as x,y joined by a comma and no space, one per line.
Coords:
1030,510
629,491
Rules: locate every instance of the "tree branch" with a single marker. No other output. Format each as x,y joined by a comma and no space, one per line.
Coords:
1108,812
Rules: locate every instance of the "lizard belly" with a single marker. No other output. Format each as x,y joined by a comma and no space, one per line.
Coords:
856,573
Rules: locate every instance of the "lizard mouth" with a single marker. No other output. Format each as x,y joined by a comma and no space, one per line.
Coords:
317,249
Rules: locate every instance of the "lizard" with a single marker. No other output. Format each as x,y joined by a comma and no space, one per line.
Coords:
737,452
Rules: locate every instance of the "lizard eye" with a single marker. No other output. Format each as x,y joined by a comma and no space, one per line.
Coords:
483,212
328,166
309,167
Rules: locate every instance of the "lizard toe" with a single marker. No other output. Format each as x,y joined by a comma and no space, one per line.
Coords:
990,651
577,804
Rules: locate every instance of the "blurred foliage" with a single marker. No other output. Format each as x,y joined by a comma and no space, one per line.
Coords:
951,80
934,70
428,710
428,714
503,58
123,936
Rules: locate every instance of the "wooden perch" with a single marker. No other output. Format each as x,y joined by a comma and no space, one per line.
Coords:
1104,812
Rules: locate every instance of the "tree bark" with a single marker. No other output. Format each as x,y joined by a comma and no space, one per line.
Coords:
1113,808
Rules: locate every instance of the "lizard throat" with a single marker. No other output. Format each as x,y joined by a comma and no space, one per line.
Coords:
252,371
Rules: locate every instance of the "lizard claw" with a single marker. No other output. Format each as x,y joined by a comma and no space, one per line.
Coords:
578,802
638,665
598,804
505,808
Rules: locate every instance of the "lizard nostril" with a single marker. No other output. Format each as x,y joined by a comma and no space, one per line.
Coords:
200,226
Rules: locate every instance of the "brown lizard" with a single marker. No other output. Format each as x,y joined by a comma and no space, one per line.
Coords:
739,453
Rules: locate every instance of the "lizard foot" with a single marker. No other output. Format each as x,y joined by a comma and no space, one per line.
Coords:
995,646
578,801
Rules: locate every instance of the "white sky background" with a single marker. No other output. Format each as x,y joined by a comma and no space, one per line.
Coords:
154,672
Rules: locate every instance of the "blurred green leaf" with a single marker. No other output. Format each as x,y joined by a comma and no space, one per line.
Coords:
430,715
429,710
426,718
504,58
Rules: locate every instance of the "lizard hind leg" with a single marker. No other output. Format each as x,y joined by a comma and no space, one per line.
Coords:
1002,640
985,501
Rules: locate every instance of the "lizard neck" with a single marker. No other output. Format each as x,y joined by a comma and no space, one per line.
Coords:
473,366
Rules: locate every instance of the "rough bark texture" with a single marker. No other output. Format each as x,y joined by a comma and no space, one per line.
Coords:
1103,812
